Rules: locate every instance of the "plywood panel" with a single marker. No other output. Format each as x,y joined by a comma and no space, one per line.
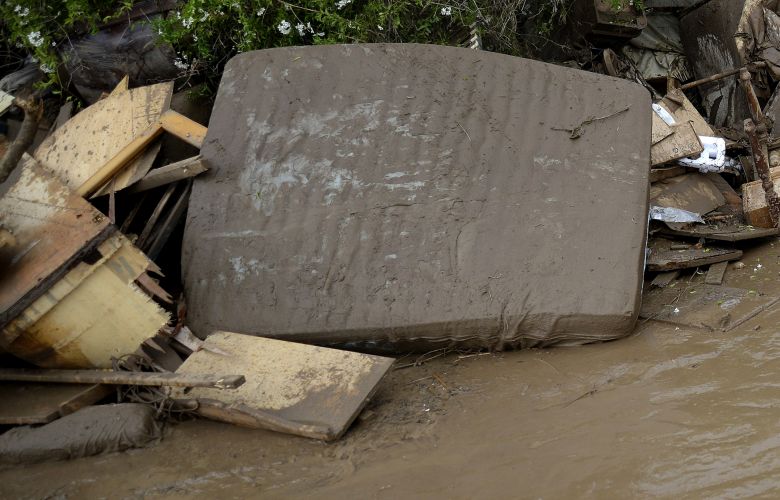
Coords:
87,141
311,391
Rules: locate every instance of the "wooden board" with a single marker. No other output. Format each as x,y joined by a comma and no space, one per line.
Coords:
168,174
684,142
6,100
693,192
660,129
301,389
52,229
685,112
39,403
79,148
715,273
663,279
754,200
719,233
705,306
663,258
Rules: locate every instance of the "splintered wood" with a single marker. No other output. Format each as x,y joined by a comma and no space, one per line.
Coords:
50,227
80,147
295,388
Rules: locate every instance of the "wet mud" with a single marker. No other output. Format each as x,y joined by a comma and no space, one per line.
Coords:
672,411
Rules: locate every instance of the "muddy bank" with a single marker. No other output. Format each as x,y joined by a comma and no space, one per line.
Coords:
669,411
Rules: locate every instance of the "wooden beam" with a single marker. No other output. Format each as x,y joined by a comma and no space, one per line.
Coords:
168,174
121,378
187,130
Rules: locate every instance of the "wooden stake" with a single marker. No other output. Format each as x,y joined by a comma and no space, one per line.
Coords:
121,378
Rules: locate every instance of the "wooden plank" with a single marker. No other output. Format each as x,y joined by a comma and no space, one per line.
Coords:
659,174
187,130
97,134
718,233
693,192
162,233
52,228
684,142
684,111
6,101
296,388
158,210
168,174
40,403
715,273
125,156
663,279
669,260
754,201
154,379
660,129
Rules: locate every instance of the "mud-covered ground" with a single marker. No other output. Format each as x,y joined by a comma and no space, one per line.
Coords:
671,411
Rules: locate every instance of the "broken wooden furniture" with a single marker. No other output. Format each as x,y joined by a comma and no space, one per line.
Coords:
69,296
293,388
367,220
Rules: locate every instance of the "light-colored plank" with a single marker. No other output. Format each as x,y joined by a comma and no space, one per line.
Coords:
121,161
685,112
83,145
168,174
187,130
302,389
6,100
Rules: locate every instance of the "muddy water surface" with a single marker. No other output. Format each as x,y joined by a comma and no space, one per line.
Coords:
671,411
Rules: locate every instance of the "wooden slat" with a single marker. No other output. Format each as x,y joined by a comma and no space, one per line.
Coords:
663,279
122,378
163,232
168,174
715,273
187,130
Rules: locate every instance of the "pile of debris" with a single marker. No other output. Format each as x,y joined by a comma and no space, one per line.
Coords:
86,320
713,180
381,197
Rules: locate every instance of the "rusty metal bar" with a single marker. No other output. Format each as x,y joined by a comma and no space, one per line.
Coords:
720,76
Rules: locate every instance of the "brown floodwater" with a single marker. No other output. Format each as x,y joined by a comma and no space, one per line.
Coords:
671,411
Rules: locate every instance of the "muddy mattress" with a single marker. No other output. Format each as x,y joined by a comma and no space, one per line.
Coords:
415,196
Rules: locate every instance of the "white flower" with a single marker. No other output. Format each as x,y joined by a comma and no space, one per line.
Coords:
261,11
304,28
180,64
205,16
46,68
284,27
446,11
342,3
320,34
22,12
379,28
17,9
35,38
187,22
